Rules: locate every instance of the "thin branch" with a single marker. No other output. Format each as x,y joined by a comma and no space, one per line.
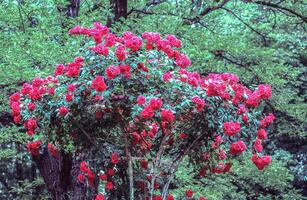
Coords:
277,6
246,24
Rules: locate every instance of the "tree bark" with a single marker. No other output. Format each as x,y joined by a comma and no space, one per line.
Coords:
120,9
73,8
59,174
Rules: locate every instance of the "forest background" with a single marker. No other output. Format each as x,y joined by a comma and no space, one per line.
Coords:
260,41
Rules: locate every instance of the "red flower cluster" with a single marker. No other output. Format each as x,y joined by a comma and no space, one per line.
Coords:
261,162
54,152
200,103
231,128
114,158
33,147
98,84
237,148
88,172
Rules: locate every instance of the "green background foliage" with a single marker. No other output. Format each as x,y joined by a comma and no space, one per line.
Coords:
258,43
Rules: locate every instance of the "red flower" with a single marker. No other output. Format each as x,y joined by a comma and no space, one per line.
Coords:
99,197
33,147
182,136
141,100
182,61
147,113
71,87
112,72
170,197
17,120
203,198
261,134
222,168
31,124
15,106
167,115
237,148
155,103
144,164
265,91
120,53
167,76
59,70
31,106
258,146
114,158
69,97
200,103
134,43
231,128
241,110
261,162
109,185
110,172
98,84
81,178
63,111
52,150
217,142
267,120
189,193
100,50
83,167
103,177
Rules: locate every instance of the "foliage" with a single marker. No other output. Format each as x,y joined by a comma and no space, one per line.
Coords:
33,37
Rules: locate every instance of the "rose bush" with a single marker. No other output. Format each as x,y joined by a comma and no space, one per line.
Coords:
130,111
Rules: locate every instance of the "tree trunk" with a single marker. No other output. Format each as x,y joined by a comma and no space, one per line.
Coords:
73,8
120,9
59,174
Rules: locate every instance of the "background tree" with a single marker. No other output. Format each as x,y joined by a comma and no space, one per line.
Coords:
219,41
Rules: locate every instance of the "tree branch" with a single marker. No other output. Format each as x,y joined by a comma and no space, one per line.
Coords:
277,6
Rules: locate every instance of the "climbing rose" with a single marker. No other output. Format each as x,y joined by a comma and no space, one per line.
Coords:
147,113
109,185
237,148
99,197
267,120
261,162
170,197
265,91
69,97
167,115
52,150
33,147
112,72
155,103
63,111
31,106
114,158
141,100
144,164
261,134
81,178
103,177
59,70
98,84
258,146
189,193
231,128
200,103
110,172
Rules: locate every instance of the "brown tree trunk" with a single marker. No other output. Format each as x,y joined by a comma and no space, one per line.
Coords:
73,8
120,9
59,174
